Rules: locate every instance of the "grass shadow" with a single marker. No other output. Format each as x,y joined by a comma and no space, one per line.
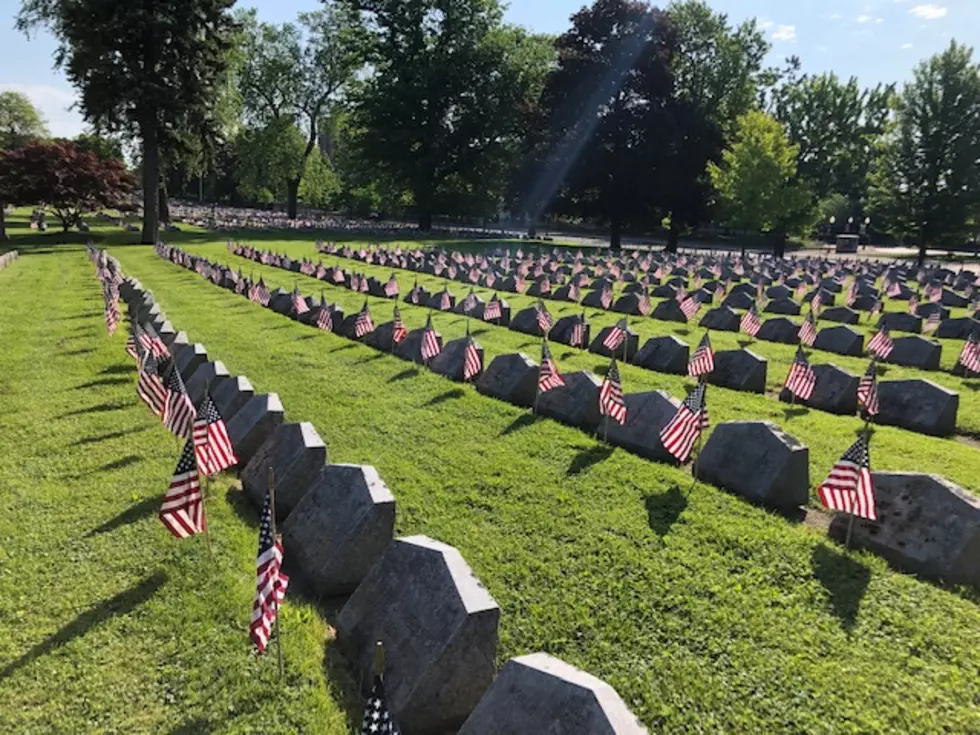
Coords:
478,332
110,435
566,355
845,579
449,395
132,514
102,381
117,464
122,604
84,315
793,411
526,344
521,422
118,370
349,346
100,408
75,353
242,507
745,343
372,358
664,509
196,726
304,337
404,375
588,457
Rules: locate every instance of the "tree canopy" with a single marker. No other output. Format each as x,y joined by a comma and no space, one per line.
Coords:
20,121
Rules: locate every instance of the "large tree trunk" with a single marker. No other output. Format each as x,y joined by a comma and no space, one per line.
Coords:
164,202
3,222
292,191
151,180
779,246
921,261
425,220
615,234
673,236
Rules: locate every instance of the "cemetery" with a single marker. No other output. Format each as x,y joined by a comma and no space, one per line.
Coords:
399,369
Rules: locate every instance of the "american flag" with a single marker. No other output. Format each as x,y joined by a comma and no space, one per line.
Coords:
605,298
363,285
867,393
935,294
182,511
644,306
878,307
548,375
299,303
680,435
808,331
801,290
149,387
932,323
577,338
445,302
391,287
492,310
211,443
271,584
545,322
617,335
398,330
430,343
970,354
178,410
363,324
801,379
881,344
378,719
852,294
702,361
611,401
355,282
469,302
324,319
893,290
849,487
816,302
690,306
751,324
472,362
112,316
152,343
414,294
133,342
913,303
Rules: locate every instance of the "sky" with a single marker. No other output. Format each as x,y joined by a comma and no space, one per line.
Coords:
874,40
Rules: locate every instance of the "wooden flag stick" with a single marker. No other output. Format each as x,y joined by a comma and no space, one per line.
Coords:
605,433
379,659
275,595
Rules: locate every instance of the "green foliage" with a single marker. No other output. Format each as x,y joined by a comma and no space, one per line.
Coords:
266,158
107,149
926,182
320,184
20,121
757,178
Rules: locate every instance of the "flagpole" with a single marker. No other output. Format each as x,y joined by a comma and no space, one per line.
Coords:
207,483
626,343
605,434
275,594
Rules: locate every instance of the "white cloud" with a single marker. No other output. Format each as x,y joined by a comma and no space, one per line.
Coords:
906,46
864,19
784,33
929,12
836,16
879,21
53,102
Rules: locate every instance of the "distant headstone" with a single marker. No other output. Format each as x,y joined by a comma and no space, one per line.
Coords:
741,370
722,319
739,299
759,461
340,527
646,414
628,304
926,525
917,352
957,328
512,378
451,360
842,314
281,301
834,392
576,403
918,405
562,331
664,291
840,340
781,330
899,322
664,354
410,348
779,292
439,628
253,424
782,306
593,299
526,322
928,309
669,310
538,693
424,296
865,302
953,299
230,395
632,343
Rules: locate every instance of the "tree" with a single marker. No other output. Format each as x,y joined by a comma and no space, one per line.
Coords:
151,70
60,175
20,123
296,72
320,183
266,160
441,114
105,148
757,181
926,182
606,107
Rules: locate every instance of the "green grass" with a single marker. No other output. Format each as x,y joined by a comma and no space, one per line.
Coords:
707,614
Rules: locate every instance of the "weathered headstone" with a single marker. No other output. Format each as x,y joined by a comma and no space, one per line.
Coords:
526,322
340,527
841,314
900,322
722,319
564,327
512,378
538,693
669,310
230,395
189,359
739,299
451,360
576,403
917,352
926,525
410,348
783,306
632,344
628,304
759,461
778,292
739,370
781,330
646,414
834,392
423,297
208,374
953,299
840,340
957,328
253,424
664,354
296,453
439,628
918,405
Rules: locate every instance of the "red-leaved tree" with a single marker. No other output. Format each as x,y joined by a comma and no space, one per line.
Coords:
60,176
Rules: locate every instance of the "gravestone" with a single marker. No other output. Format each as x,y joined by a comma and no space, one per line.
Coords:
166,333
744,288
826,297
628,304
476,307
410,348
926,525
562,331
646,414
526,322
377,288
834,392
296,453
230,395
722,319
209,374
783,306
918,405
759,461
779,292
189,359
957,328
830,285
669,311
253,423
281,301
576,403
451,360
512,378
740,299
865,302
593,299
538,693
841,314
924,311
423,297
840,340
435,301
917,352
664,291
632,343
901,322
510,284
503,321
439,628
340,527
347,325
540,287
953,299
781,329
904,294
665,355
741,370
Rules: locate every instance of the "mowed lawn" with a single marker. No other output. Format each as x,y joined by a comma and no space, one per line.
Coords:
107,623
707,614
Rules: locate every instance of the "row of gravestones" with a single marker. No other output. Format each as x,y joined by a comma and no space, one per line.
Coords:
8,258
417,595
917,405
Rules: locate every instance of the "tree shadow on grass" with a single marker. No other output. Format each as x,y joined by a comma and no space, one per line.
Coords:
242,507
110,435
304,337
102,381
100,408
404,375
588,457
664,509
845,579
122,369
75,353
794,411
478,332
117,464
122,604
526,344
372,358
521,422
349,346
196,726
83,315
134,513
566,355
449,395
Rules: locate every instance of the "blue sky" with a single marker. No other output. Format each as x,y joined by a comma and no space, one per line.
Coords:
875,40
